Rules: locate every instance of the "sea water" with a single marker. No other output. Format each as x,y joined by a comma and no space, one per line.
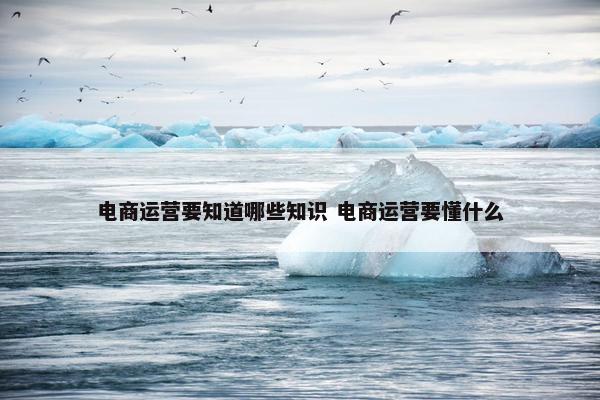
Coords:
92,310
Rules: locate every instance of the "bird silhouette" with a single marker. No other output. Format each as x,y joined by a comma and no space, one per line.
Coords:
450,60
115,75
43,59
256,44
323,75
109,58
397,14
22,99
367,69
385,83
79,100
323,62
184,58
182,11
359,90
383,64
16,14
242,100
209,9
175,50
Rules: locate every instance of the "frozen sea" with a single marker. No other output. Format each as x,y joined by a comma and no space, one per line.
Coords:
94,310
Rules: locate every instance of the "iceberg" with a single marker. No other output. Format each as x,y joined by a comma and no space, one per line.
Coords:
202,128
244,138
579,137
374,140
188,142
389,249
131,141
33,131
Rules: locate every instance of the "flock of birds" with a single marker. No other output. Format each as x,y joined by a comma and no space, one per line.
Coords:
21,98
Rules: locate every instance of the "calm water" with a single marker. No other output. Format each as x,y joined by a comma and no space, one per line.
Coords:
228,323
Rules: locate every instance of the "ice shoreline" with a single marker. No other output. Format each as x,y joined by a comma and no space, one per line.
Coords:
34,132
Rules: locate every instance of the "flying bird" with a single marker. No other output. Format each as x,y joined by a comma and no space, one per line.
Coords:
43,59
103,66
175,50
323,75
115,75
22,99
397,14
184,58
256,44
359,90
209,9
109,58
450,60
242,100
385,83
182,11
107,102
90,88
191,92
367,69
152,83
323,62
79,100
16,14
131,90
383,64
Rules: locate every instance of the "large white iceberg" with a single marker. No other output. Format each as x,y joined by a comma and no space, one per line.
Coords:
405,249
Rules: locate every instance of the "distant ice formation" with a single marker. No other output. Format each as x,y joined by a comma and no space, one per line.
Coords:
406,249
32,131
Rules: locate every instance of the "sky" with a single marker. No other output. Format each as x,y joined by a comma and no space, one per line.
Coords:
517,61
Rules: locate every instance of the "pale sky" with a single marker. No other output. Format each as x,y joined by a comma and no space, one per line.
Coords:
501,69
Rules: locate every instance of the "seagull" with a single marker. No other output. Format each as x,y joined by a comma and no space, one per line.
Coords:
383,64
450,60
191,92
115,75
43,59
323,75
359,90
16,14
242,100
131,90
107,102
323,62
184,58
22,99
109,58
385,83
256,44
397,14
181,10
367,69
209,9
152,83
90,88
103,66
175,50
79,100
23,91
